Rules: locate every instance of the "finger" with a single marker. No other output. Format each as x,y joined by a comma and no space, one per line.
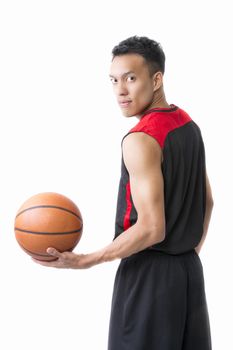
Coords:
54,252
44,263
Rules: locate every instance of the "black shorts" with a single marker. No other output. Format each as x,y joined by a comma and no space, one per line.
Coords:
159,303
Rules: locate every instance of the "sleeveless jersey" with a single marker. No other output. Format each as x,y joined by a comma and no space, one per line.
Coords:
183,169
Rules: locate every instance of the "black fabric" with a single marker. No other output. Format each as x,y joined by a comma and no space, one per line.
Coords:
185,189
159,303
184,176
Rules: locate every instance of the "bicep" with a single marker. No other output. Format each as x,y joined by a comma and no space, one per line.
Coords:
142,157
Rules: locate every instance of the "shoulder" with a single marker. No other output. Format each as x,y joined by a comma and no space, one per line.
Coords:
138,140
140,148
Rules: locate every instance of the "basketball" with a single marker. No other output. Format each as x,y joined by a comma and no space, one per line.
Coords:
48,220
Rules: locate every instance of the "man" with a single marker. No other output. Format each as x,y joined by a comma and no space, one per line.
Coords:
163,212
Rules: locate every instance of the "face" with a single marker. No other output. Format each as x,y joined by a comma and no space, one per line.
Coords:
133,85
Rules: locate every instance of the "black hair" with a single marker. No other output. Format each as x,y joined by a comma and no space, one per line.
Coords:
149,49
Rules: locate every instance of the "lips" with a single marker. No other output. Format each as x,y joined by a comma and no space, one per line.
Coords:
124,103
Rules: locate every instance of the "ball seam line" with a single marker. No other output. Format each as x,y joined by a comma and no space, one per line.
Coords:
49,206
49,233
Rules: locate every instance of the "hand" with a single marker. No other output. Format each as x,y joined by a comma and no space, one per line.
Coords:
67,260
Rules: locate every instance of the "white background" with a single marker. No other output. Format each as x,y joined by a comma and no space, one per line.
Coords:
60,130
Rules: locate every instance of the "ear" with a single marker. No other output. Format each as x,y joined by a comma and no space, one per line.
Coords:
157,80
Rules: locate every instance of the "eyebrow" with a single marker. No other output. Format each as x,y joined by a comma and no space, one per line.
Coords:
123,75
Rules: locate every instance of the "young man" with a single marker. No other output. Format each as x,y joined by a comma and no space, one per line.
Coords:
163,212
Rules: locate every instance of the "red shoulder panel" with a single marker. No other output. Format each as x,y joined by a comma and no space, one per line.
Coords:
159,123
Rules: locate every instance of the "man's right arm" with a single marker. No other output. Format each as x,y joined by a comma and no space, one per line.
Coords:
208,212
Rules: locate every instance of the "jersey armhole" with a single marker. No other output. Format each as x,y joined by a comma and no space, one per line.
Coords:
147,133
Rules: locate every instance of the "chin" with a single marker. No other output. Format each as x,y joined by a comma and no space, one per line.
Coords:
128,114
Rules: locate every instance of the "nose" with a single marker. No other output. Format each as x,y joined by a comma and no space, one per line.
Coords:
121,89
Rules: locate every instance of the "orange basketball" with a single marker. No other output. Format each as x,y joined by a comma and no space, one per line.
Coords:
48,220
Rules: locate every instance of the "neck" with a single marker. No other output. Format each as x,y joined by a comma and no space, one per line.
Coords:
158,102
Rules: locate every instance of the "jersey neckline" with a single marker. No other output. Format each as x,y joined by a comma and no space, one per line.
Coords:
172,108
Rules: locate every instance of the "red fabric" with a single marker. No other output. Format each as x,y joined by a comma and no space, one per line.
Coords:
158,124
128,207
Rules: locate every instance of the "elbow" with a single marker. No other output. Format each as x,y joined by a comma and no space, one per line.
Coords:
152,229
159,236
210,202
156,233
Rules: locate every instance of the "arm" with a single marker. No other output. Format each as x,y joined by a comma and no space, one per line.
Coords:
142,156
208,212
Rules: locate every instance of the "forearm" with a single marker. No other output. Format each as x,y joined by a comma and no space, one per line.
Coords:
131,241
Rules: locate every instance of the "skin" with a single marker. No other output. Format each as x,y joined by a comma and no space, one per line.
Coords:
133,82
136,91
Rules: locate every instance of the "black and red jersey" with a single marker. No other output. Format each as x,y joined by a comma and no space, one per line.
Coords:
183,169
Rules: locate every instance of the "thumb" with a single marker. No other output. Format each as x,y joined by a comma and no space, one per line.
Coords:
54,252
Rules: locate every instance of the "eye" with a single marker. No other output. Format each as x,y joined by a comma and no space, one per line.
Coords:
131,78
113,80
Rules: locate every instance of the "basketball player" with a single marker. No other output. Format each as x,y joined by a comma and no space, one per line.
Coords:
163,213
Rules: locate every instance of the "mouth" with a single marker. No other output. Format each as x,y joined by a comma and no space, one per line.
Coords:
124,104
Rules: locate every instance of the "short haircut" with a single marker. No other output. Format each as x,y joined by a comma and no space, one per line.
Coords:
149,49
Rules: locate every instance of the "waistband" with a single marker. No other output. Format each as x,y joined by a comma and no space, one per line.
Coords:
153,252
